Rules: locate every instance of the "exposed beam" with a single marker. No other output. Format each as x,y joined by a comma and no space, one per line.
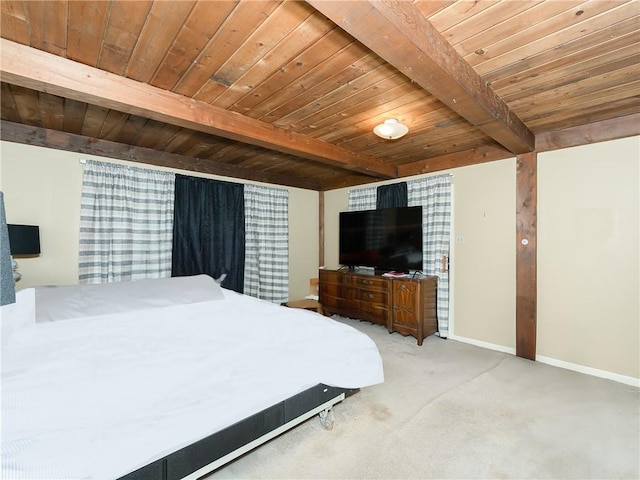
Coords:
346,181
483,154
621,127
398,32
42,71
526,255
321,229
42,137
602,131
487,153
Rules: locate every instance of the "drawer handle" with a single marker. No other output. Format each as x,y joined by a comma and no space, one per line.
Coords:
366,282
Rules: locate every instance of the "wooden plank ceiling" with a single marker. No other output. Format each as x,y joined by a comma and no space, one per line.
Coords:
289,92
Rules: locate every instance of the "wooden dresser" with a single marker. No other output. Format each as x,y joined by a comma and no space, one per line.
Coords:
403,305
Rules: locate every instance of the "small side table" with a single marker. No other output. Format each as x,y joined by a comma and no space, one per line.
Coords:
306,304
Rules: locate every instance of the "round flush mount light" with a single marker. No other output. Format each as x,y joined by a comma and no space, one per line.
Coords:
391,129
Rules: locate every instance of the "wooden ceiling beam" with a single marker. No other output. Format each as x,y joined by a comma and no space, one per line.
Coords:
602,131
605,130
487,153
346,181
399,33
43,137
42,71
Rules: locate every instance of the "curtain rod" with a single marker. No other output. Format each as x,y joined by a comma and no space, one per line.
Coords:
83,161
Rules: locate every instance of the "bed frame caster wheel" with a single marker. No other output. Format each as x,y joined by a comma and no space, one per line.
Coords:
326,419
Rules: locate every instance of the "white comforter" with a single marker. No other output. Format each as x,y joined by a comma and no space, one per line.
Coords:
98,397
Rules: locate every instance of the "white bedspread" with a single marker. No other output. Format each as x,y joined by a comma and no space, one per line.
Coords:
98,397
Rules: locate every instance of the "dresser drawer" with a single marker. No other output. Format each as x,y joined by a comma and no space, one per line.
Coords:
380,309
373,296
369,282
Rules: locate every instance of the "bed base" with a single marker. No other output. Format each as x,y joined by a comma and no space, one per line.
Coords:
218,449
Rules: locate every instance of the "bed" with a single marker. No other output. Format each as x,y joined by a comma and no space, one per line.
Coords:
163,379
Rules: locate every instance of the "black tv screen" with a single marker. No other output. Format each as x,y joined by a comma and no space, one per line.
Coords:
388,239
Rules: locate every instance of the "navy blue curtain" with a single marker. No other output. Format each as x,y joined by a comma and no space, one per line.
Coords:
208,230
393,195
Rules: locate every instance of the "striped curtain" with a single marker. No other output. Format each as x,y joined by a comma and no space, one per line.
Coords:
434,194
266,273
362,199
126,223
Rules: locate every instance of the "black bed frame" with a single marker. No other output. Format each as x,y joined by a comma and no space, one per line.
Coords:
225,445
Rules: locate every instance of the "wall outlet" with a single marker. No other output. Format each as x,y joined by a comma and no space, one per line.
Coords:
460,238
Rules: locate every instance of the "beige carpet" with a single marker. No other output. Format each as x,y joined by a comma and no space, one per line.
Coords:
451,410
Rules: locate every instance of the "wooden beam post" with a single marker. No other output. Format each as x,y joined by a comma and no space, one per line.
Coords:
526,254
321,228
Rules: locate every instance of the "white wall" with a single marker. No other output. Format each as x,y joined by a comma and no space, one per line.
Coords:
588,256
304,240
43,186
484,255
334,201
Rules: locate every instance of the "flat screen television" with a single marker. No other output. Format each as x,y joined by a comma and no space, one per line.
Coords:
387,239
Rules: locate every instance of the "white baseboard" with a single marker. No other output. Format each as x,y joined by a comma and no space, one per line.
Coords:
480,343
634,382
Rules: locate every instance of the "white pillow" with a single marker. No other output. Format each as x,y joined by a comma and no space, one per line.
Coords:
66,302
19,315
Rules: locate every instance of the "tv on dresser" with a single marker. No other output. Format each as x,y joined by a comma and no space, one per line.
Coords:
386,239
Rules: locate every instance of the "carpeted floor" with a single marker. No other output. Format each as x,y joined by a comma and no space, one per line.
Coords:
452,410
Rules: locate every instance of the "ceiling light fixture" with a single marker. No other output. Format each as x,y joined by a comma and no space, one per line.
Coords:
391,129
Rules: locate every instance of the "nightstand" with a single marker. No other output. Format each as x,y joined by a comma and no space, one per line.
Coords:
306,304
